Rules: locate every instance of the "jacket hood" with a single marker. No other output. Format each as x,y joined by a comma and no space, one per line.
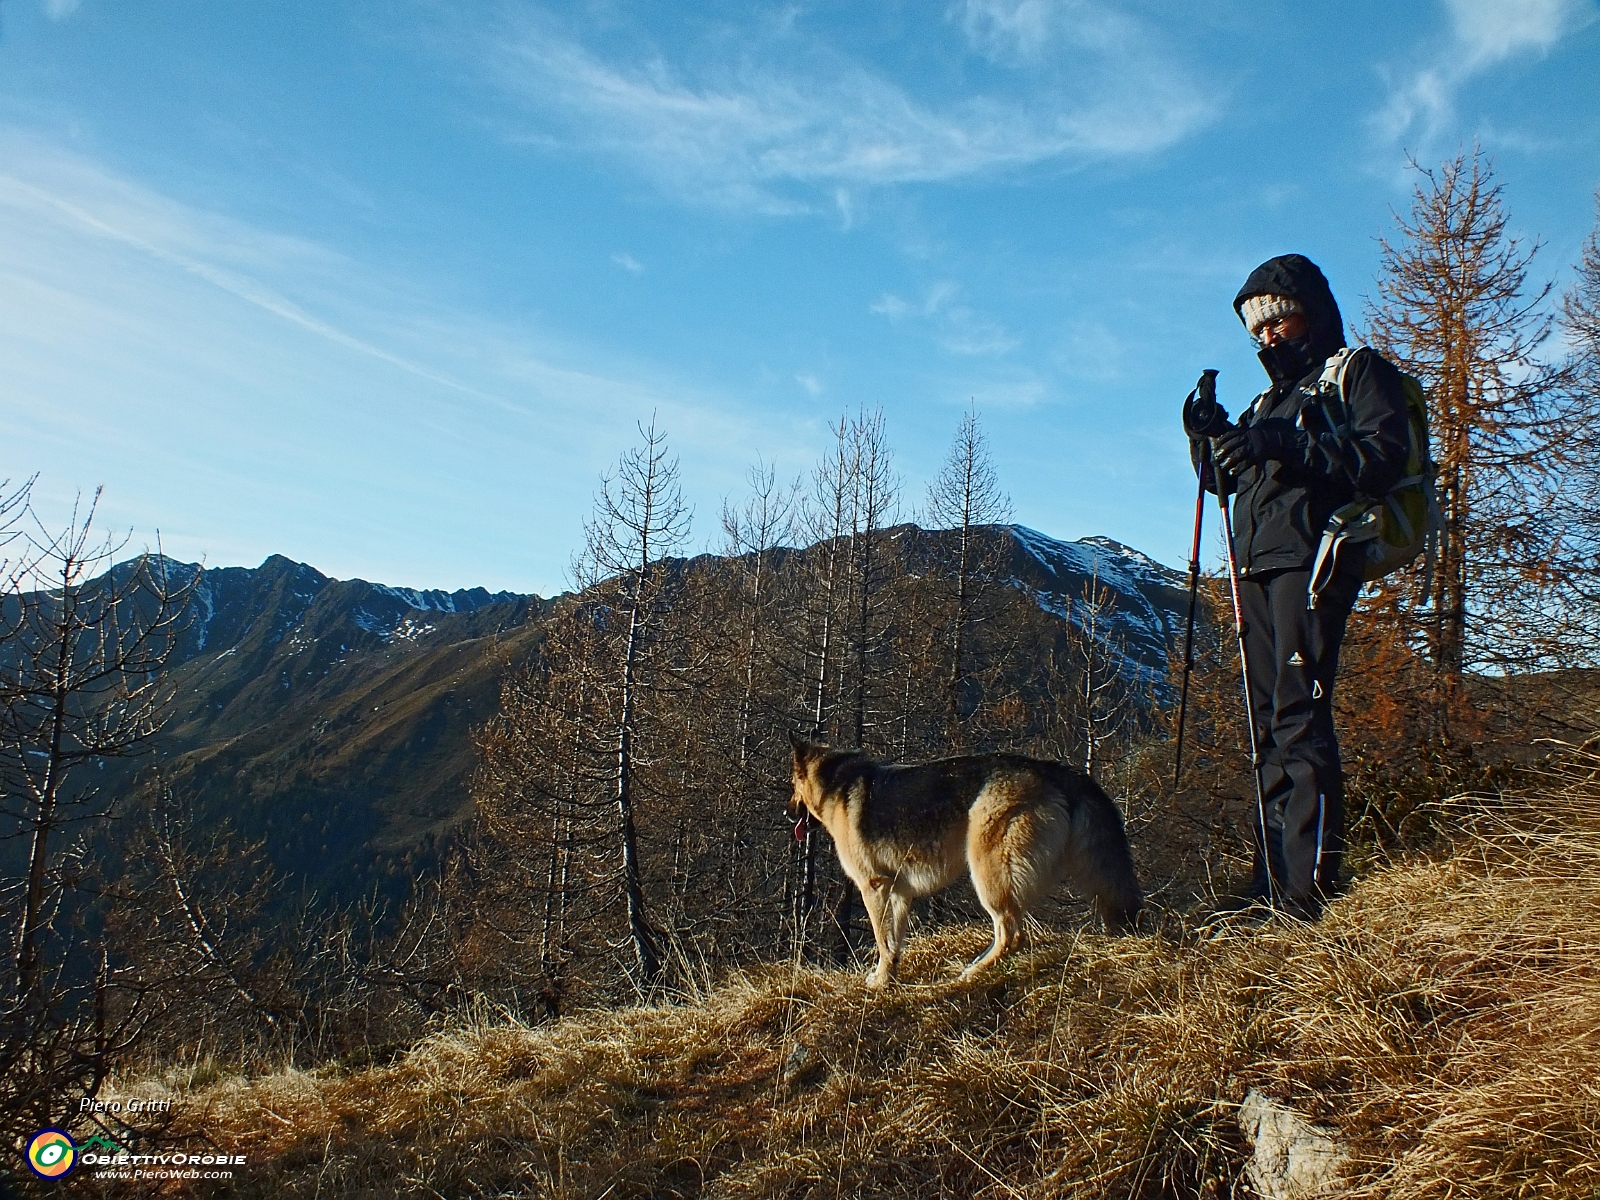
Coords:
1296,275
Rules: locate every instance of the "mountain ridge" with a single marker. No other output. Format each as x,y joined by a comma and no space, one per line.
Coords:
334,718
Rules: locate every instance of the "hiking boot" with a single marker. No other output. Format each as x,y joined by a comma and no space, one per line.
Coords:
1306,908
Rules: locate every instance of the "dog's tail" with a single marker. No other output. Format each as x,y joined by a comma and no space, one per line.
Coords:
1102,863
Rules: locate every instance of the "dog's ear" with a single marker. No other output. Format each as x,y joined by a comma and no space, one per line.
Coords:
799,745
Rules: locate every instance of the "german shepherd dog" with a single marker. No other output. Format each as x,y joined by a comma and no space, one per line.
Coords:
1018,825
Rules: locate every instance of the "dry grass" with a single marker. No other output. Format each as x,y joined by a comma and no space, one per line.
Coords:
1445,1017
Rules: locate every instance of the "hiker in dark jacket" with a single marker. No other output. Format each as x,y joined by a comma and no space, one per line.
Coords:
1292,472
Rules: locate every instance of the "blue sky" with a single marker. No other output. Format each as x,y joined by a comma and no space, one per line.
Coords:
385,287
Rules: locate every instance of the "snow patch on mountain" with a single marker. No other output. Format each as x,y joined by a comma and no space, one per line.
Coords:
433,600
204,598
381,626
1071,579
1120,567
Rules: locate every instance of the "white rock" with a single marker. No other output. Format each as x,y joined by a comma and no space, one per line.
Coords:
1292,1159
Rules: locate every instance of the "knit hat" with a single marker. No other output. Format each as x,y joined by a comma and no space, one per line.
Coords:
1263,310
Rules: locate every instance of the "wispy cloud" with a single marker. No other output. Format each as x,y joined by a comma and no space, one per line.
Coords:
845,203
1013,389
1025,32
810,383
891,306
248,392
959,328
1483,34
787,123
937,297
628,262
1493,30
75,195
60,10
1008,30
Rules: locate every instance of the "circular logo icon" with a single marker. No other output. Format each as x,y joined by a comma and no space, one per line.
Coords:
51,1154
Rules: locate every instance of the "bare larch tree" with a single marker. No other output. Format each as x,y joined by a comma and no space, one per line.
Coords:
640,517
83,647
965,497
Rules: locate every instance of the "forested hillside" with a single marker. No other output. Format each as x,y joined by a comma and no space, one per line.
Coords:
335,718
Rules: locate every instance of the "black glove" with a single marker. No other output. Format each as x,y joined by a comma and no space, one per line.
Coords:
1240,448
1203,418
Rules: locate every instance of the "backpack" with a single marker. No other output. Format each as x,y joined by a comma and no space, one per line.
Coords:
1392,529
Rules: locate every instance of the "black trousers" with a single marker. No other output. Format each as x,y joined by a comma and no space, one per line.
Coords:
1292,657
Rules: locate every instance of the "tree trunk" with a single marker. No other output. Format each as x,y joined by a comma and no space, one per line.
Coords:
646,954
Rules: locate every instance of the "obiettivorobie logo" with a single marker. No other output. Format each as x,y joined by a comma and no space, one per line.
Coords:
52,1155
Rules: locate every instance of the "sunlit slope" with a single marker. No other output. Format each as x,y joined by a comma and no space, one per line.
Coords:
1444,1018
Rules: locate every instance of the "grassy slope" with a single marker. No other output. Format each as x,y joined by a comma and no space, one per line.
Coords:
1445,1017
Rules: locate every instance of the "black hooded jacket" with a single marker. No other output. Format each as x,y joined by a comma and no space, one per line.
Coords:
1282,507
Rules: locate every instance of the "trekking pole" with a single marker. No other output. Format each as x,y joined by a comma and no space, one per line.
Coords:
1224,490
1204,418
1194,592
